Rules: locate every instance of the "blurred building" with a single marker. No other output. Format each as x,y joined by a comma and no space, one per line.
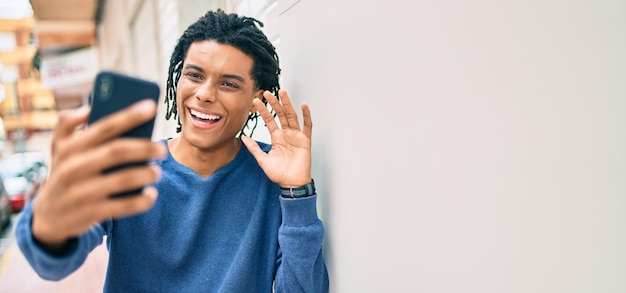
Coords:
65,34
25,102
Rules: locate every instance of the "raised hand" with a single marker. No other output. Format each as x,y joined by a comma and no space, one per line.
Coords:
288,163
76,194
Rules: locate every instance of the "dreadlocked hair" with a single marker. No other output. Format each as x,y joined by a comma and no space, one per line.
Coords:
229,29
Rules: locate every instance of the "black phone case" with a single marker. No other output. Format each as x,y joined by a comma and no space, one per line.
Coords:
113,92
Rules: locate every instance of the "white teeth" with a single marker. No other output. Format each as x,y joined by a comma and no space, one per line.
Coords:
204,116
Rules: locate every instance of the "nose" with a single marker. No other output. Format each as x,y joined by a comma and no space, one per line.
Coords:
206,92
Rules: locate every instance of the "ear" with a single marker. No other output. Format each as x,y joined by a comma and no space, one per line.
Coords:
257,94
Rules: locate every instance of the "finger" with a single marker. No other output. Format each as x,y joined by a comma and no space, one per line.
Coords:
267,116
102,187
126,206
307,128
254,148
278,109
116,152
120,207
118,123
83,205
289,112
68,121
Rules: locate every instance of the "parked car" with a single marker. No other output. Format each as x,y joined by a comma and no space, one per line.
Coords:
20,191
5,207
23,174
31,165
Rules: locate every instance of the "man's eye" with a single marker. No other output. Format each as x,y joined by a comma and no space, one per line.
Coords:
230,84
193,75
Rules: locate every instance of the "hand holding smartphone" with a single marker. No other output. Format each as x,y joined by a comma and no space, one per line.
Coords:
113,92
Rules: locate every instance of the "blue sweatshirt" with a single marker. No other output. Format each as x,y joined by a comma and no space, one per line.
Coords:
230,232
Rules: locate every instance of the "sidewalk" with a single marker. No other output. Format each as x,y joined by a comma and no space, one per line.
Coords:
17,276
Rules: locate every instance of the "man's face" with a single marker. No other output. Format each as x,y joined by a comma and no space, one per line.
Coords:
214,94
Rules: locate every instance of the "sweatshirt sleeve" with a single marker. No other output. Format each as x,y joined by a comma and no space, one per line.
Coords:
301,267
51,266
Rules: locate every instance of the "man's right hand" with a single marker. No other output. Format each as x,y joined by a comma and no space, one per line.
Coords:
76,194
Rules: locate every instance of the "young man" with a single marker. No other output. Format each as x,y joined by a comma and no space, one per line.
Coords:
232,215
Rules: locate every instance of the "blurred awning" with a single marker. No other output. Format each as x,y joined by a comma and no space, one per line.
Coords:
65,24
63,28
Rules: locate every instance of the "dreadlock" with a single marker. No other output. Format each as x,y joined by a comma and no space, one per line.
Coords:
229,29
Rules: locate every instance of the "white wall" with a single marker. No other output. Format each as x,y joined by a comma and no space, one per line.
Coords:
466,146
114,36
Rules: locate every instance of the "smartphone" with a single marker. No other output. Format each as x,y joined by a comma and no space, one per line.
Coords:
113,92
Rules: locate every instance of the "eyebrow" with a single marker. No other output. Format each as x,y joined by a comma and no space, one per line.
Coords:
233,76
196,67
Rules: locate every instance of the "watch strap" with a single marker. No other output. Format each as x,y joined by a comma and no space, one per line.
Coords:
298,192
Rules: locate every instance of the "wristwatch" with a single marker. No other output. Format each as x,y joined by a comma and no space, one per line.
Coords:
298,192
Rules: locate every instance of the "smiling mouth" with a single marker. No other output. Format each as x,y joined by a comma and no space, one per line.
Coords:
204,117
